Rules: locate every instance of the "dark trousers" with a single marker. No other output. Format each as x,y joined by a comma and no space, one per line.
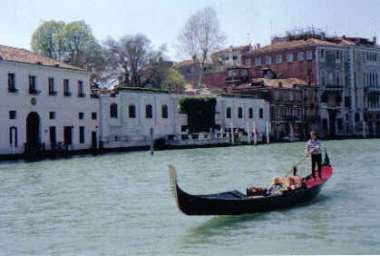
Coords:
316,160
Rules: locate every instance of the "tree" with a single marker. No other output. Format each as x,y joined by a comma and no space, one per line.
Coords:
130,59
46,39
201,35
173,80
72,43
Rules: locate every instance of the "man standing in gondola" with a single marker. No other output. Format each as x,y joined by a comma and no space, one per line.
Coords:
313,149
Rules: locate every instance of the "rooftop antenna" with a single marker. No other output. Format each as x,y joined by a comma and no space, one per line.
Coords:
271,30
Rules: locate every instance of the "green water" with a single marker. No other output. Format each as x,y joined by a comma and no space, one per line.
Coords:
121,204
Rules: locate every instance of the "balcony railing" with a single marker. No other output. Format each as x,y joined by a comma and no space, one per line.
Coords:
12,90
333,87
34,91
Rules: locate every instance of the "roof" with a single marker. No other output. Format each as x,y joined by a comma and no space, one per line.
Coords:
292,45
234,48
287,83
8,53
311,42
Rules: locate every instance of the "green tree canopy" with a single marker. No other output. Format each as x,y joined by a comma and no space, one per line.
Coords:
72,43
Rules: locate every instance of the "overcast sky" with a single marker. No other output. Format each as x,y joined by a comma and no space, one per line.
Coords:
243,21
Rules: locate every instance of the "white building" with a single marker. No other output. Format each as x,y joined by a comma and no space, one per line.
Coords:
44,104
127,116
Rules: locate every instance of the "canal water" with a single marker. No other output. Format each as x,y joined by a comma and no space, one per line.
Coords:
121,204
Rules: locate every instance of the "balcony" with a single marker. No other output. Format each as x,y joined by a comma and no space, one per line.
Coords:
332,88
67,94
372,89
34,91
331,105
12,90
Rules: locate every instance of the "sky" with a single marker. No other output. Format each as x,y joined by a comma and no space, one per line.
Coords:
242,21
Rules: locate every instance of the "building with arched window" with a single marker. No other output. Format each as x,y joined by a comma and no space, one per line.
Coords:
45,105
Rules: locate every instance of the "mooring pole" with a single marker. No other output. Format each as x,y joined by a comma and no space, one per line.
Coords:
249,140
254,133
267,131
151,141
232,134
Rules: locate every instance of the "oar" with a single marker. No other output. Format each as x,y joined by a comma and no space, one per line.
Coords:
296,164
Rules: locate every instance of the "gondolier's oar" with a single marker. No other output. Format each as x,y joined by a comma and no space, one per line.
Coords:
296,164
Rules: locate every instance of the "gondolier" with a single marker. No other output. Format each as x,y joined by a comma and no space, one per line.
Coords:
313,149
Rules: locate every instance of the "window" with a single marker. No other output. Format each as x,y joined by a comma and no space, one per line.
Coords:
337,78
53,135
51,115
132,111
279,59
240,112
250,113
290,57
258,61
268,60
66,87
309,55
81,135
234,57
301,56
51,86
148,111
80,89
323,77
12,114
261,113
228,112
347,101
357,117
164,111
81,115
12,82
338,56
94,115
322,54
32,85
68,135
113,110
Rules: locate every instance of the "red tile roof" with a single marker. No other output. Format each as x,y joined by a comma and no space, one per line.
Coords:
24,56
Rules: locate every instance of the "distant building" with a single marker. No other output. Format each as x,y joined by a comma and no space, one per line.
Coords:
45,105
128,114
232,56
345,69
293,105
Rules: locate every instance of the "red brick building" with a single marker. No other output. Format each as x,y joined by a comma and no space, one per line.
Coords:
287,59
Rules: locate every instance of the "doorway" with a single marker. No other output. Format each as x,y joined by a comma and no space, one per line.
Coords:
33,131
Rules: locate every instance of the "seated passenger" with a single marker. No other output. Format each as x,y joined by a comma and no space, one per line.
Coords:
277,187
254,191
294,182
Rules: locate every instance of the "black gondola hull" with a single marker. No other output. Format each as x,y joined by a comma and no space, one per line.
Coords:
235,202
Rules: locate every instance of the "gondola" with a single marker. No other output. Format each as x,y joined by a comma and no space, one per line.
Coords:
236,202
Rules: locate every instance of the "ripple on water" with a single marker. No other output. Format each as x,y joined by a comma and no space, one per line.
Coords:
121,204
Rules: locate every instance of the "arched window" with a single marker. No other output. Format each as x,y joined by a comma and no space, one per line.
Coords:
164,111
228,112
240,112
149,111
132,111
113,110
250,113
